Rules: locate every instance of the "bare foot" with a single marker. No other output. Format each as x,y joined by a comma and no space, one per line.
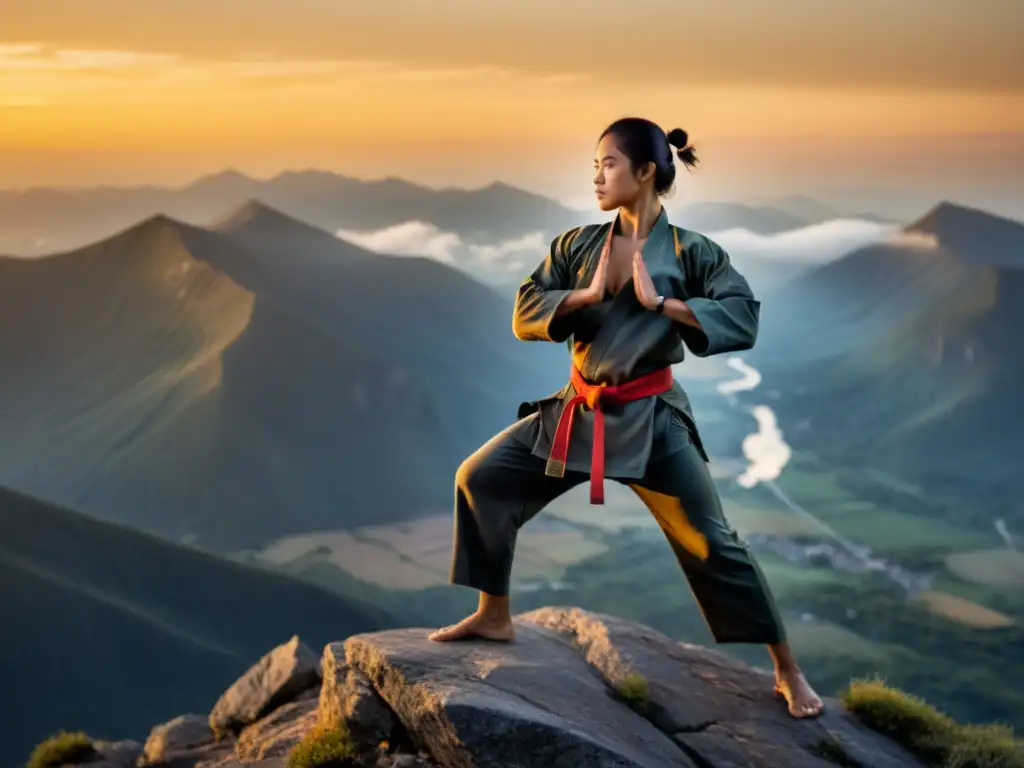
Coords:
803,701
477,625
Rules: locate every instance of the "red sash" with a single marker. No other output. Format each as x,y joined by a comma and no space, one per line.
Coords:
594,396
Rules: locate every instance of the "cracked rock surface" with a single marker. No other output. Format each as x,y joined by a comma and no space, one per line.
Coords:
548,700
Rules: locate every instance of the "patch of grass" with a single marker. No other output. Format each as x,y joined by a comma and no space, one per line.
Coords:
60,749
325,746
634,691
939,740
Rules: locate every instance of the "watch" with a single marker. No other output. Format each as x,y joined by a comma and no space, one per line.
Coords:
660,306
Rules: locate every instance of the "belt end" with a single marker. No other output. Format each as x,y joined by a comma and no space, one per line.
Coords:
555,468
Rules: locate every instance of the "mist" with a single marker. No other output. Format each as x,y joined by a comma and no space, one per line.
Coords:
765,260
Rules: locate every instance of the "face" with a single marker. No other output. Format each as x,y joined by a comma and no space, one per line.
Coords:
615,183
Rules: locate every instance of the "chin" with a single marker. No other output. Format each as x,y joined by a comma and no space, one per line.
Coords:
606,204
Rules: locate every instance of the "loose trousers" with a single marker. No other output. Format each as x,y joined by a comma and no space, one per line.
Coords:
502,486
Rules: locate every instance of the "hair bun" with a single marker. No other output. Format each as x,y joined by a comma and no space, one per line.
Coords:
677,137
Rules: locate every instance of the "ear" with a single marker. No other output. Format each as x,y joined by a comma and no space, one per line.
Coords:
646,172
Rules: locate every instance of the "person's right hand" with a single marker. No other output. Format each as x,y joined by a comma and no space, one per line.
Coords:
599,282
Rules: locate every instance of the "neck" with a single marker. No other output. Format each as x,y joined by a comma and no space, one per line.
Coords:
638,218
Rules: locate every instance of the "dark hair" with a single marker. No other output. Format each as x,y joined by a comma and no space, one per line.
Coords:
644,142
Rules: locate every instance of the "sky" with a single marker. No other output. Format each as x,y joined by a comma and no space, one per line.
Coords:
793,96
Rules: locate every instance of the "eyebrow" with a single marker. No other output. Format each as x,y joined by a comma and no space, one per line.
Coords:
606,157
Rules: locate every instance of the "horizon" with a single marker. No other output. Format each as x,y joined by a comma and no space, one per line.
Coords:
858,104
923,206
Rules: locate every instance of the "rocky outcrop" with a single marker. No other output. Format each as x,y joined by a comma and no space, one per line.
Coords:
279,677
575,689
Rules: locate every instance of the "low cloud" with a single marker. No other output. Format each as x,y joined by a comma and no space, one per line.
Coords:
413,238
418,238
496,255
818,243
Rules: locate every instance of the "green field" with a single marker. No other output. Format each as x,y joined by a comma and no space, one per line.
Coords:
881,520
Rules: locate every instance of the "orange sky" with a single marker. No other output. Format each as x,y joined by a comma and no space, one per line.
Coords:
458,91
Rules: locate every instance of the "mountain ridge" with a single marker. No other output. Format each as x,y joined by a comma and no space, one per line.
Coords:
40,219
905,346
180,349
973,233
121,598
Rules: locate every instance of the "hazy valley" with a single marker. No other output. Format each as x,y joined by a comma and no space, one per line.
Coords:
287,373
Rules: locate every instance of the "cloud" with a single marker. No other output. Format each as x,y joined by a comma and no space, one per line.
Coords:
413,238
16,56
10,50
818,243
485,261
433,74
533,243
497,260
269,68
38,57
35,73
86,59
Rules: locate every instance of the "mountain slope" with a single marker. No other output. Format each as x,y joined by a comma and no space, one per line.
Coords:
198,383
110,630
907,356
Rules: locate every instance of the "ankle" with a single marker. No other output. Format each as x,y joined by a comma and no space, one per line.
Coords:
494,609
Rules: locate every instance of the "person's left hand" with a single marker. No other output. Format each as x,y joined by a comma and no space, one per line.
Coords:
642,283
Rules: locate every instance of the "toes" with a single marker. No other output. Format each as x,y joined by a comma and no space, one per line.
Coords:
812,710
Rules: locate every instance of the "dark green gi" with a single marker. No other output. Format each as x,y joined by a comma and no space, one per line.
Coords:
652,445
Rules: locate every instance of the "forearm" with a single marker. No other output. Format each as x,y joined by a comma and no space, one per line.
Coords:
680,312
573,301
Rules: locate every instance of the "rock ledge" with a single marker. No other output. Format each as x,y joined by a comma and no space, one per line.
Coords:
576,689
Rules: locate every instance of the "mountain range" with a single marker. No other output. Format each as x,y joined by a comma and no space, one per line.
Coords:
230,384
43,220
905,355
109,630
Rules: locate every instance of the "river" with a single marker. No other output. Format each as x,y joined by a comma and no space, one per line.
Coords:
768,453
765,449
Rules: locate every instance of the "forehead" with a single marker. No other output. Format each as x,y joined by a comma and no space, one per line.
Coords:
607,147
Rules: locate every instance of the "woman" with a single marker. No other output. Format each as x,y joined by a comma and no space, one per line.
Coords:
631,295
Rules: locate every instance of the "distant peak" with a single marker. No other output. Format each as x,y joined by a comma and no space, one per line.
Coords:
158,222
981,236
310,173
227,177
946,215
148,232
253,211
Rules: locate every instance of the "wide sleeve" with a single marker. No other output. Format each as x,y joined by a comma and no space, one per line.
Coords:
722,303
540,295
